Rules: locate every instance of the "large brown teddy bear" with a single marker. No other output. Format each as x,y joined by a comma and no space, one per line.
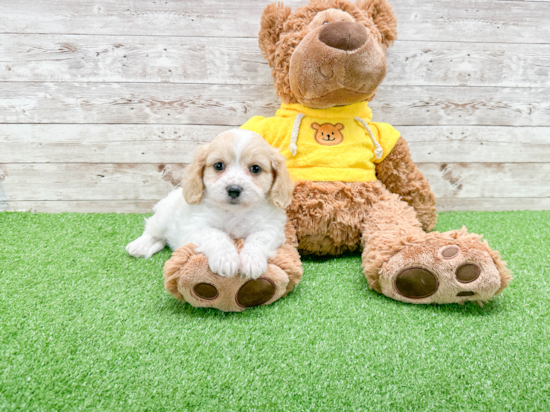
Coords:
356,187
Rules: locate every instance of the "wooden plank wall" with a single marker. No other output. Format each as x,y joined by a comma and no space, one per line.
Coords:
102,102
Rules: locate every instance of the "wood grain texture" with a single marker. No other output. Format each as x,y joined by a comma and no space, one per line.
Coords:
146,206
100,143
103,102
88,181
80,206
492,204
83,181
127,59
37,57
27,102
442,20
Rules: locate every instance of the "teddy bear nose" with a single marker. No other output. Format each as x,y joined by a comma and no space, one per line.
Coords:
343,35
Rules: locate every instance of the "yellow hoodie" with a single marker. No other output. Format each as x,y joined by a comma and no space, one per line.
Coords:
336,144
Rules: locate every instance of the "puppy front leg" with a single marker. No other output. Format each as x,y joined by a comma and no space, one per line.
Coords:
220,250
258,248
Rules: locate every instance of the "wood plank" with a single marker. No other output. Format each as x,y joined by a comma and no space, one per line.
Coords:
27,102
87,206
488,180
442,20
99,143
64,143
24,102
478,144
145,206
72,58
473,21
36,57
492,204
472,64
214,18
84,181
38,181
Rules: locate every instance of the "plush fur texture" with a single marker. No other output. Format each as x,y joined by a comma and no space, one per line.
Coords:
401,176
316,63
236,188
331,53
308,71
187,268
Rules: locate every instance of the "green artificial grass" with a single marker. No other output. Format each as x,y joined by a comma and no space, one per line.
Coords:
85,326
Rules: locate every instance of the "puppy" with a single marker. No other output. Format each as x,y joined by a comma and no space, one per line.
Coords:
237,187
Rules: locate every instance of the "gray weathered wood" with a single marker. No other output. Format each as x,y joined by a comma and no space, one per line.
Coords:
25,102
80,206
99,143
483,180
145,206
48,58
81,181
492,204
39,57
442,20
102,102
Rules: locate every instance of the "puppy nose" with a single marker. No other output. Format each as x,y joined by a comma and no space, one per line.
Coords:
234,191
343,35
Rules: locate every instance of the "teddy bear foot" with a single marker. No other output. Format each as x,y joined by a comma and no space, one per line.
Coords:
189,278
452,267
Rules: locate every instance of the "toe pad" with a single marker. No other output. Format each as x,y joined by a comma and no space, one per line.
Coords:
255,292
206,291
416,283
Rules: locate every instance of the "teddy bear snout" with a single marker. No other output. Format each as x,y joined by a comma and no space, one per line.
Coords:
343,35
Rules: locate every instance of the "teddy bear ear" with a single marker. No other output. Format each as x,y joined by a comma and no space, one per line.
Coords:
315,126
384,18
272,21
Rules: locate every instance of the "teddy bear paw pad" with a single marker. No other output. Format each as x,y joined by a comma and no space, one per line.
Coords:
439,272
255,292
206,291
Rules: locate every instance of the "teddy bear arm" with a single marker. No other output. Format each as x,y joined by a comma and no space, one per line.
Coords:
401,176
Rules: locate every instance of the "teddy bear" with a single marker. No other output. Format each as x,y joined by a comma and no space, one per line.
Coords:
356,186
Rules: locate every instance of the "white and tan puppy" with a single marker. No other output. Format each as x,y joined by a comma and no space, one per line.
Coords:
236,188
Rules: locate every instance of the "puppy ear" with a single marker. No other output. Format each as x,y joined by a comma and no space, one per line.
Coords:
272,21
192,183
383,17
315,126
283,186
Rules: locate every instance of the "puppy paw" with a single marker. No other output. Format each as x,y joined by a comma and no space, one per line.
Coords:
145,246
253,265
225,261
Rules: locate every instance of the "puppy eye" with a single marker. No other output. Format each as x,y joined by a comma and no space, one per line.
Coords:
219,166
255,169
326,22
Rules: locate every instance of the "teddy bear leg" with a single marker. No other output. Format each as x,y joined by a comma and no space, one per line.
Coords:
189,278
403,262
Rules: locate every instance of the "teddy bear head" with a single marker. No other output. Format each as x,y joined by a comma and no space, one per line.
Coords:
329,52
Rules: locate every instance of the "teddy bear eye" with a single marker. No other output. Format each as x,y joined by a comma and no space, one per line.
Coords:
255,169
219,166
